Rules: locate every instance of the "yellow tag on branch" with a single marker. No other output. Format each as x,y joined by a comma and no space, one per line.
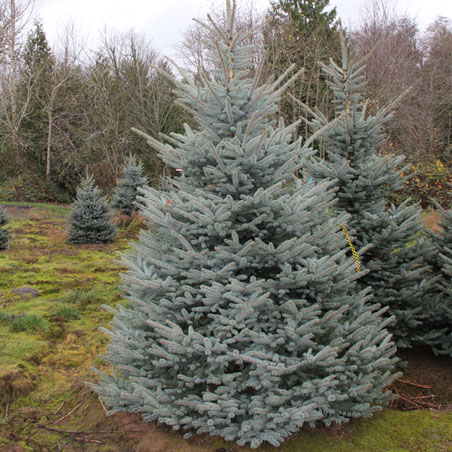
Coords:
355,254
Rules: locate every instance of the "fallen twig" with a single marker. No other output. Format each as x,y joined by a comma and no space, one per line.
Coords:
86,440
431,405
87,432
68,414
430,396
59,409
414,384
103,406
78,432
406,399
7,407
417,402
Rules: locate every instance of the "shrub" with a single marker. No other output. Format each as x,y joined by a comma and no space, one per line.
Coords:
130,223
31,188
428,183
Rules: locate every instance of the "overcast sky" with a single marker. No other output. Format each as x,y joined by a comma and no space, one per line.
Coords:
163,21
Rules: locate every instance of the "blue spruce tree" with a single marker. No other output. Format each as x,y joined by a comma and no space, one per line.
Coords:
244,319
90,218
126,192
440,308
4,230
389,239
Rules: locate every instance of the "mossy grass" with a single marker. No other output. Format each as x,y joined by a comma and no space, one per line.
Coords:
4,318
79,296
67,312
28,323
55,335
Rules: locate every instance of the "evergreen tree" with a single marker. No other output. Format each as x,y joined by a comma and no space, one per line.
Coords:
244,318
90,219
440,309
389,239
302,32
127,190
39,63
4,231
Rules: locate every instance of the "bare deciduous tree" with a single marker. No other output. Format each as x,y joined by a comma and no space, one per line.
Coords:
400,57
394,59
437,83
14,18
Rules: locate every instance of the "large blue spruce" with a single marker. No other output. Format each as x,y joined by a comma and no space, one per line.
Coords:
244,318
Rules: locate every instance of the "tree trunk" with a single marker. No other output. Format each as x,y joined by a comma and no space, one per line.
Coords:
49,146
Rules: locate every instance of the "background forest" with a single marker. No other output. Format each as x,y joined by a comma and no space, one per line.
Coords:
68,110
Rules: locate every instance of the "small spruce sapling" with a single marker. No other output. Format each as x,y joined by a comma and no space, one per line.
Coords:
4,230
90,218
244,319
132,180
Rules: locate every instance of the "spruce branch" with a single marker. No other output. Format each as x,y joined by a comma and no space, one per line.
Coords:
220,56
206,80
217,157
321,131
249,127
263,136
257,77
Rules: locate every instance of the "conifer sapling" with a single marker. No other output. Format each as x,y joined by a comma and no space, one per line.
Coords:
90,218
4,230
126,192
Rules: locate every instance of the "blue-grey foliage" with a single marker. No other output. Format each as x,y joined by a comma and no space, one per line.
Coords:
440,308
4,230
244,317
126,192
389,239
90,218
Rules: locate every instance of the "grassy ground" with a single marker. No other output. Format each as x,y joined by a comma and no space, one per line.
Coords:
49,339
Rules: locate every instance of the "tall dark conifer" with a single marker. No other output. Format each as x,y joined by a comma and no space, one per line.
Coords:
302,32
38,67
